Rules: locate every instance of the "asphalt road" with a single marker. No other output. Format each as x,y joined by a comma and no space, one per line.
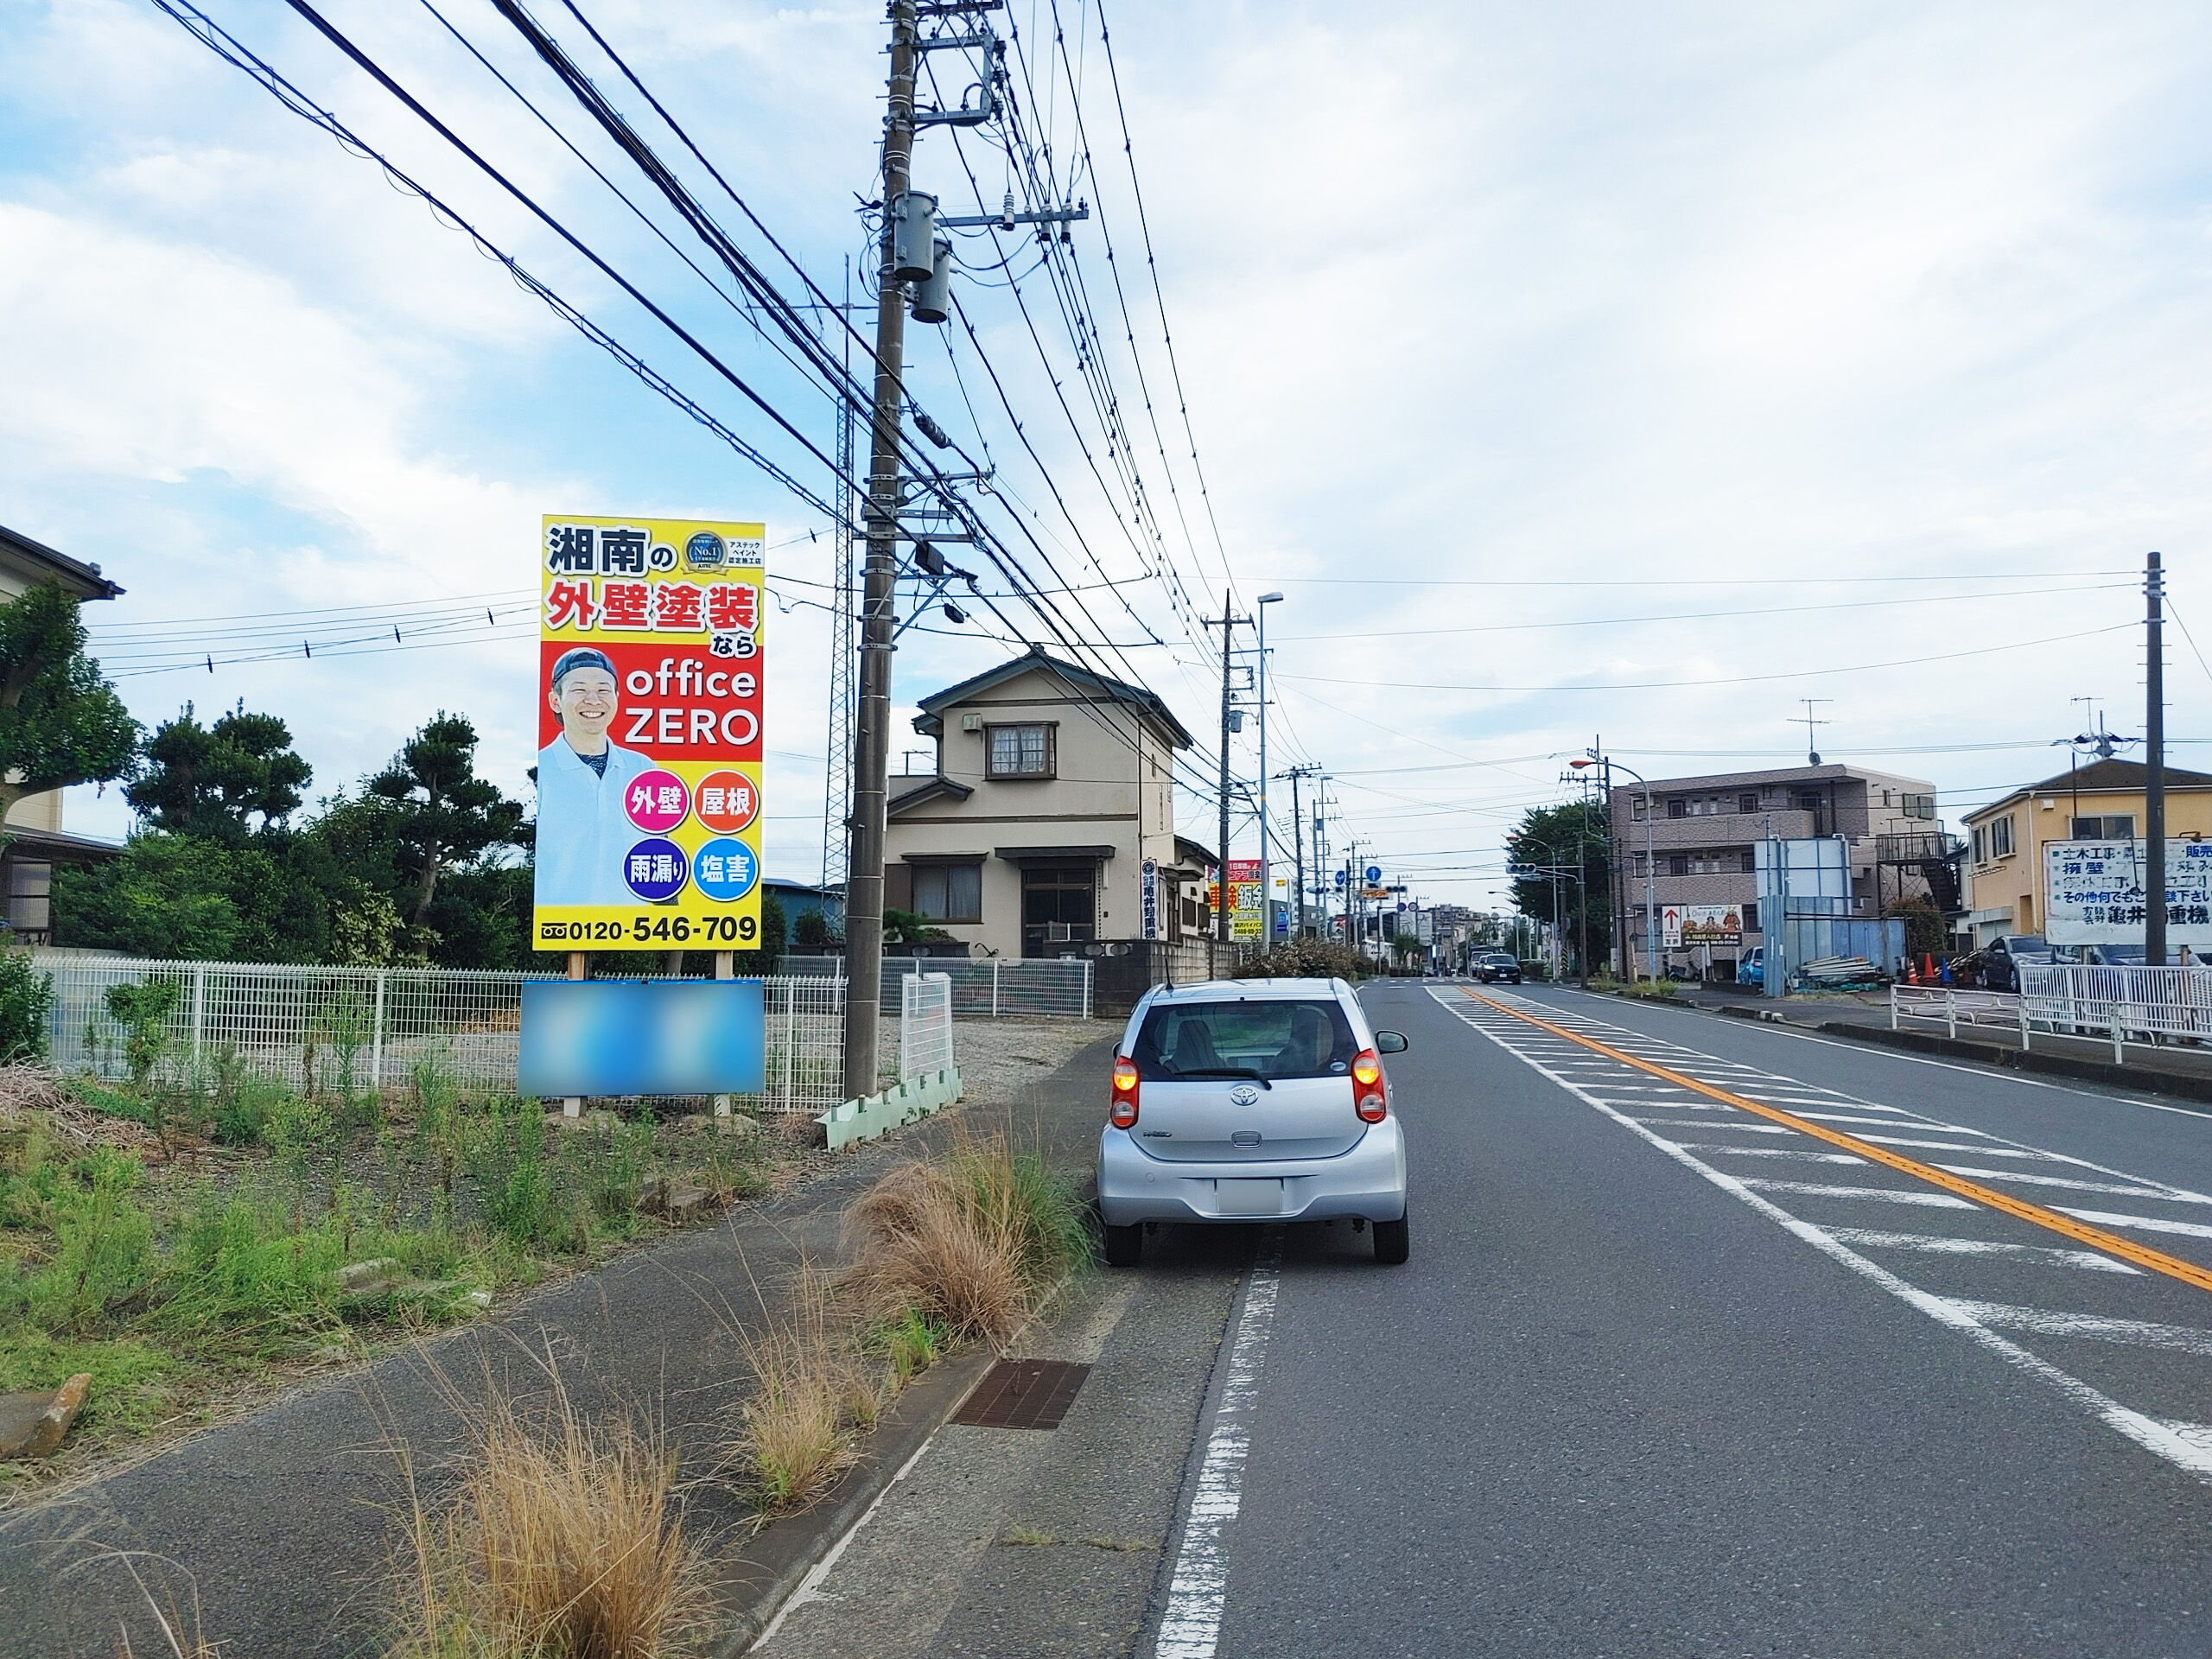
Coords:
1663,1377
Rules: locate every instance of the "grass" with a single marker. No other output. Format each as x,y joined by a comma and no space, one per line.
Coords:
970,1242
202,1258
810,1393
565,1540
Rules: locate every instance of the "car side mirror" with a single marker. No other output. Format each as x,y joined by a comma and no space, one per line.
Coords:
1390,1042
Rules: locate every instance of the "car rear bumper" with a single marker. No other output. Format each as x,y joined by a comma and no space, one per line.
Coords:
1367,1182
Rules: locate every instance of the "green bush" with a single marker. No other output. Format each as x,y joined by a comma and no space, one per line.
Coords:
103,1245
505,1156
26,1005
237,1264
1308,959
143,1011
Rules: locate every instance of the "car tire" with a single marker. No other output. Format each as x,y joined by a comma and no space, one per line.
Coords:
1392,1243
1125,1245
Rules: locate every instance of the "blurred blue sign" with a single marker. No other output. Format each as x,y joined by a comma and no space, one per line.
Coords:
643,1037
1340,878
1374,873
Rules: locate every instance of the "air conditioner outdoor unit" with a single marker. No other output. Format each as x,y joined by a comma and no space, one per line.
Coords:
1058,932
971,722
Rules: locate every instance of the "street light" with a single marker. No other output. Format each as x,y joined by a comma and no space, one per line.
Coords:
1651,909
1267,874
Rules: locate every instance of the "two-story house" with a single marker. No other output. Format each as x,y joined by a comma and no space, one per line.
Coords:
2101,801
35,840
1049,822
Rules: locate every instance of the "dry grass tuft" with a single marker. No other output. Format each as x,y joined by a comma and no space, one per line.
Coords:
970,1241
564,1542
811,1391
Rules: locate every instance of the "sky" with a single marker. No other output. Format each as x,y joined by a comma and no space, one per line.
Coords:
1609,371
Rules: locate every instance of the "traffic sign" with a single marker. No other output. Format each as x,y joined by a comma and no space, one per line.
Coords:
1374,873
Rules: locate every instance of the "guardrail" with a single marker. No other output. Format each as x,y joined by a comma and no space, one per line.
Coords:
2123,1003
1950,1006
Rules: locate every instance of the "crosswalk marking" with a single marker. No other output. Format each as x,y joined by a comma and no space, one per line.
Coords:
2044,1322
2172,1195
2138,1223
1879,1194
1936,1244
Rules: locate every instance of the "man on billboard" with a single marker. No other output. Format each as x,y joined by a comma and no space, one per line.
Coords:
582,831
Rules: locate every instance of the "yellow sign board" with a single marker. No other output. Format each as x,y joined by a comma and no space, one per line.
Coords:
650,699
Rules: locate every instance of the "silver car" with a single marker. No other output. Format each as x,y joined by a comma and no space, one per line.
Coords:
1252,1100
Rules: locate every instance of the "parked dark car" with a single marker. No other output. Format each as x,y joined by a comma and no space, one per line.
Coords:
2002,956
1496,966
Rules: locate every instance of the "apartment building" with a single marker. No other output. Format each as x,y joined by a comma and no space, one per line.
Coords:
1701,831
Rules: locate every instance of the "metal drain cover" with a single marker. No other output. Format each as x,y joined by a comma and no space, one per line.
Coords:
1023,1394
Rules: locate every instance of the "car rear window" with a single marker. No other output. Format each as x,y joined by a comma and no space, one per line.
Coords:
1270,1038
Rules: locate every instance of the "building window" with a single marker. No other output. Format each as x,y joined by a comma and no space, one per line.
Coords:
1808,803
1021,751
2112,826
1642,863
1751,862
1980,845
1678,864
1636,806
1677,807
1919,806
2000,838
949,892
1752,917
1748,801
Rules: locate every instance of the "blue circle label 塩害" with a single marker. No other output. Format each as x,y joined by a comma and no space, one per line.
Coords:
725,869
655,868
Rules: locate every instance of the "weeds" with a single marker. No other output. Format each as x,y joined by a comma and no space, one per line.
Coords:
794,1442
565,1542
911,1342
970,1243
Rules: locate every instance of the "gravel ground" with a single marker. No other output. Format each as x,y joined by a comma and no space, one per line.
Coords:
1000,1058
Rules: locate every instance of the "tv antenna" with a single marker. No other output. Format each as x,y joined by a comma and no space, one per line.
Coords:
1806,720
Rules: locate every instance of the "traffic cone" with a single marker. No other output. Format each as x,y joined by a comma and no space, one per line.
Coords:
1911,971
1931,967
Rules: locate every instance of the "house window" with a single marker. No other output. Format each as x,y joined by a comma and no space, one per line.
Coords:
1808,803
1642,863
1980,845
2112,826
2000,838
1751,862
1748,801
1678,864
1021,751
949,892
1636,806
1919,806
1677,807
1752,917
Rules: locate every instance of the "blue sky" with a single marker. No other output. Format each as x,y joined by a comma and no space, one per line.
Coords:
1661,308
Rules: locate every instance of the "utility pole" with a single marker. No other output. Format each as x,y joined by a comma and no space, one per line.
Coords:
2154,768
1298,843
871,749
1228,621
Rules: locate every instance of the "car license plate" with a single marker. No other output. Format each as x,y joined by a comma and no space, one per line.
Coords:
1248,1198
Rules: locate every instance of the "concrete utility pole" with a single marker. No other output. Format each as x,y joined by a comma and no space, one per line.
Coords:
872,746
2154,768
1228,621
1267,830
1298,845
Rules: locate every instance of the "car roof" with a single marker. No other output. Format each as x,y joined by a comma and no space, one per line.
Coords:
1226,990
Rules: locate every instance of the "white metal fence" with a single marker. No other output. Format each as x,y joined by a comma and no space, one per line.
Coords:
925,1025
2121,1003
1951,1006
1057,988
367,1027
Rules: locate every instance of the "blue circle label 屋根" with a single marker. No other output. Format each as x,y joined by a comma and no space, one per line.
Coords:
655,869
725,869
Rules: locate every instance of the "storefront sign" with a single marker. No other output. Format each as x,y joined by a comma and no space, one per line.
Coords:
2095,892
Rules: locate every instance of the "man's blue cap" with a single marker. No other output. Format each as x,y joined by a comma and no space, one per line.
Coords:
582,657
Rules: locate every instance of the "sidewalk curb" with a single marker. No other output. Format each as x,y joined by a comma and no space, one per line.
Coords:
776,1561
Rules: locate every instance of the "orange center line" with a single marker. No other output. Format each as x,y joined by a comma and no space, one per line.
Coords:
2127,1250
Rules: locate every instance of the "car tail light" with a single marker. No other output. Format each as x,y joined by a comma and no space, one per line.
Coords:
1123,1112
1367,1087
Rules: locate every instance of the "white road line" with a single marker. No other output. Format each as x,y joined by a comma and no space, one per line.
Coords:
1961,1146
1801,1154
2169,1194
2186,1445
1694,1123
1191,1627
2141,1333
2141,1223
1879,1194
1898,1121
1872,1239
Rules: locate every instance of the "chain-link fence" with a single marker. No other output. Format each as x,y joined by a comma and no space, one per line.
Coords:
925,1025
368,1028
1058,987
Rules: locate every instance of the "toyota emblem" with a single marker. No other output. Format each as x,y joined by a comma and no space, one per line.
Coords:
1243,1095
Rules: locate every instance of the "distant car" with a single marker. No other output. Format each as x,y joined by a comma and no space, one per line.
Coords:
2117,956
1751,966
1496,965
2002,956
1237,1101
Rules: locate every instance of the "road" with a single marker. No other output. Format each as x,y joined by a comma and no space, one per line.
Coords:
1664,1376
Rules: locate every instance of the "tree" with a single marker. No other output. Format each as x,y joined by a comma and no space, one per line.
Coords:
214,782
1926,933
442,815
60,722
1573,845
